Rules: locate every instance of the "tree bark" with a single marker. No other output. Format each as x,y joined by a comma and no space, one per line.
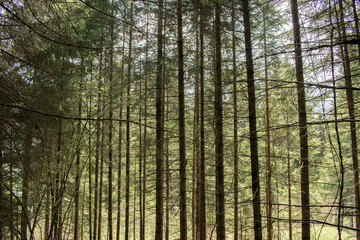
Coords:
202,197
110,165
77,176
181,102
289,179
97,152
252,123
127,170
142,235
101,176
235,123
159,127
304,155
219,147
268,140
351,110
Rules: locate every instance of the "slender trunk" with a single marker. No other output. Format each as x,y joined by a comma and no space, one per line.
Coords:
97,152
167,171
289,179
182,146
83,211
304,156
252,123
56,205
165,138
357,28
110,166
219,147
351,110
142,236
268,160
341,165
235,119
101,176
77,166
12,235
119,182
140,163
26,179
127,196
48,148
134,206
196,147
202,196
159,127
90,169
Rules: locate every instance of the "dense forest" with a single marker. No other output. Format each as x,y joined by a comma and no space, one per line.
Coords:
179,119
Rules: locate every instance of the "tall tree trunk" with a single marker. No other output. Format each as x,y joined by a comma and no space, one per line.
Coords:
97,151
159,127
77,164
267,137
304,155
202,196
167,168
235,119
90,166
289,179
357,28
140,164
351,110
101,175
119,182
196,143
48,151
181,102
252,123
12,235
110,166
340,154
26,179
218,115
83,211
142,235
165,118
127,194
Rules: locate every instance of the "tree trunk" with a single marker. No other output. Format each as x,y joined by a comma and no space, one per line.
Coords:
182,146
202,197
289,179
101,176
142,235
252,123
26,179
77,177
159,127
267,139
235,119
119,182
305,208
357,28
219,147
97,152
127,191
90,167
110,166
351,110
